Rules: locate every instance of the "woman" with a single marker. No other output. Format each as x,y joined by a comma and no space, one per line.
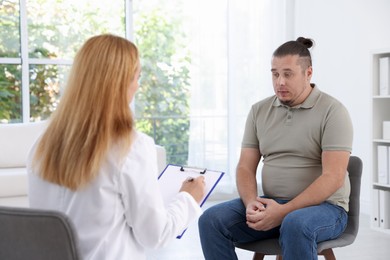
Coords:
95,167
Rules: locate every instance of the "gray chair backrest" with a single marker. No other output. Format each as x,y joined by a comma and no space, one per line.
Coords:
36,234
355,168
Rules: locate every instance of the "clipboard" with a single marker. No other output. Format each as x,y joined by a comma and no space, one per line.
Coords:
172,177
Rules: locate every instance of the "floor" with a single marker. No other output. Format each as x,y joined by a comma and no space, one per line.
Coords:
369,244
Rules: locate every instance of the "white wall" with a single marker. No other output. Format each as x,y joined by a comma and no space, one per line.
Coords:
346,32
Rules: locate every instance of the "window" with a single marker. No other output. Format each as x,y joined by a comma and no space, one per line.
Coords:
38,41
204,64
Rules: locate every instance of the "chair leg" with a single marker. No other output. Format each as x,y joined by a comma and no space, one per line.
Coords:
258,256
328,254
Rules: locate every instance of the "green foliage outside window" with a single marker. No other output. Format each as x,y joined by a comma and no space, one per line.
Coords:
10,93
161,104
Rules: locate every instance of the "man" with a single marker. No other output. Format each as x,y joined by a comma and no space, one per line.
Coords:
305,139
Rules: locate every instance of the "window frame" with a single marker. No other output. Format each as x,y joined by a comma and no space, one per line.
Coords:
25,62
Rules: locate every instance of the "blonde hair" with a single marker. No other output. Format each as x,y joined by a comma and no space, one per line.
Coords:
93,113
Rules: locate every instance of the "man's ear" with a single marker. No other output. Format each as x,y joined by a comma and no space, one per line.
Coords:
309,72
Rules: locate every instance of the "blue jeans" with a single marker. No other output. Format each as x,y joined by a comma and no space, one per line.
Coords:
224,224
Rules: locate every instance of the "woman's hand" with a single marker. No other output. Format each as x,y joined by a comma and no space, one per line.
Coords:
195,187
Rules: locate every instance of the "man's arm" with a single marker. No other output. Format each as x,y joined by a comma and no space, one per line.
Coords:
246,174
334,168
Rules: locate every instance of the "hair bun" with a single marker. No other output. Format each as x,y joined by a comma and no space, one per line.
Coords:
308,43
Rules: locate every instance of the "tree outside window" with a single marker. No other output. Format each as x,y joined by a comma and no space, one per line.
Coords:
162,101
57,28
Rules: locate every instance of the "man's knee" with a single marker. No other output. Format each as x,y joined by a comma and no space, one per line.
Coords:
223,214
206,218
293,224
210,217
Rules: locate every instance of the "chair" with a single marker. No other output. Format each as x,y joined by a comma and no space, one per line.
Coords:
271,246
27,233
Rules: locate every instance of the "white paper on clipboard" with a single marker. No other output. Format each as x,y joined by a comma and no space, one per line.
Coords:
173,176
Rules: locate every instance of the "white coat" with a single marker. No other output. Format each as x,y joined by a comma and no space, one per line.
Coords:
121,212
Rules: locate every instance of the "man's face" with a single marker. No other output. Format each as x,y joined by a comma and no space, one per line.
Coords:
291,79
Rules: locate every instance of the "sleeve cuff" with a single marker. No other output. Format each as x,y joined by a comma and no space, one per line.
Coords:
194,205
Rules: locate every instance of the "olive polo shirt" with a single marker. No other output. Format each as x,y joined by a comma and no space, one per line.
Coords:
291,140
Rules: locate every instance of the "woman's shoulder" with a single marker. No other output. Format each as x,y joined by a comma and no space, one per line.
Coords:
140,146
142,139
142,154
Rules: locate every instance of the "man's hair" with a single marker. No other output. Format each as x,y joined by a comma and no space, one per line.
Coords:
298,47
93,113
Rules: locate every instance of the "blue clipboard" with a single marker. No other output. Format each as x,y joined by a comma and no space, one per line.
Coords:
172,177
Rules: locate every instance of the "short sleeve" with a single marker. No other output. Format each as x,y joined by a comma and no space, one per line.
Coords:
338,130
250,139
